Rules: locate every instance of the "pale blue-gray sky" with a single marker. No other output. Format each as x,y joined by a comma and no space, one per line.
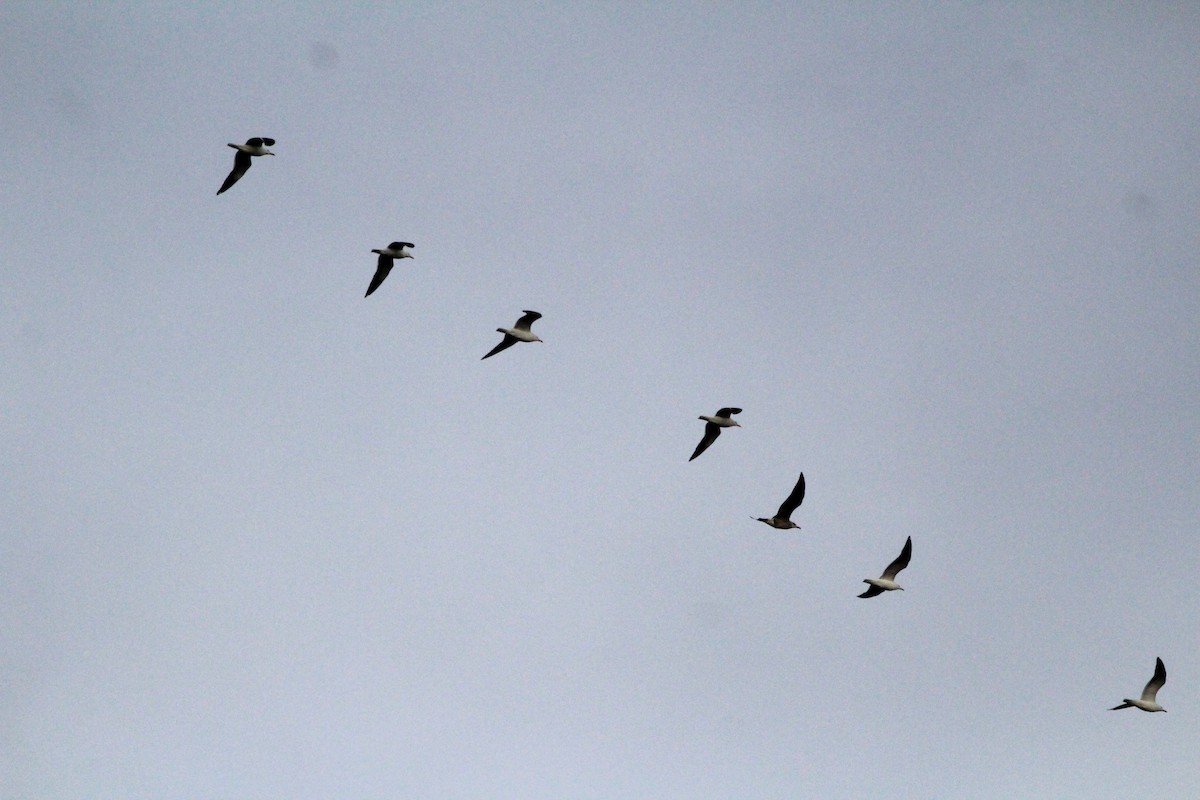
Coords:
260,537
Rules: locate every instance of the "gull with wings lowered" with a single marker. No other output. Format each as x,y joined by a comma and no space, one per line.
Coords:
517,333
887,581
713,429
241,159
783,517
386,259
1148,701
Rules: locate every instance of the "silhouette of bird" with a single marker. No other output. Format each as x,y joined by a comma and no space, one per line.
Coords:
887,581
713,429
1147,702
517,333
783,517
386,259
241,159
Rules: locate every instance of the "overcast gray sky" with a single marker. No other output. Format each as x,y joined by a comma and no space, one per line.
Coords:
261,537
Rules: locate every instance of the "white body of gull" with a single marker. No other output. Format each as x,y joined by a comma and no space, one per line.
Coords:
887,581
517,333
386,259
783,517
713,429
1148,703
241,159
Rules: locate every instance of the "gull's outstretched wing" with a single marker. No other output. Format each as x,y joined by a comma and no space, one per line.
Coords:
381,272
1156,683
241,163
893,569
793,500
524,322
711,432
508,341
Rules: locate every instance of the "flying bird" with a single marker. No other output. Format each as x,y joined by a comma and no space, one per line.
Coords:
1148,703
518,333
783,517
887,581
713,429
241,159
386,259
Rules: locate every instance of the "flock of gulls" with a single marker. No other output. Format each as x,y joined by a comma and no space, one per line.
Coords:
782,520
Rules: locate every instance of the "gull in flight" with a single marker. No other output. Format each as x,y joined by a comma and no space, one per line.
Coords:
887,581
713,429
517,333
386,259
241,159
1148,703
783,517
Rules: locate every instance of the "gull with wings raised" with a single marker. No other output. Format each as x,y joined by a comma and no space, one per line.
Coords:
1148,701
887,581
783,517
